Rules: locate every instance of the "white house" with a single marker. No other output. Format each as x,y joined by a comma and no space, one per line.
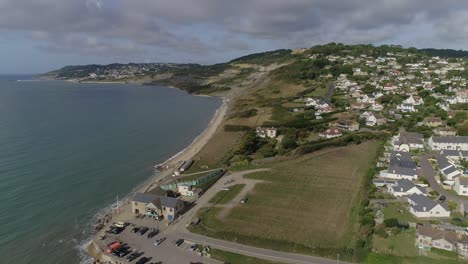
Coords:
404,187
401,167
453,142
406,141
414,100
447,168
270,132
423,207
374,119
461,185
429,237
331,133
407,108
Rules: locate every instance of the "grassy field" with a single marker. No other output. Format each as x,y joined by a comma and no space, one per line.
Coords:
375,258
233,258
402,244
393,211
216,150
305,205
224,197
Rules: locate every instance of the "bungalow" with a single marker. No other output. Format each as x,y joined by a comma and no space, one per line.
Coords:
447,168
433,122
346,124
404,187
438,143
406,141
461,185
423,207
331,133
401,166
430,237
445,131
263,132
155,205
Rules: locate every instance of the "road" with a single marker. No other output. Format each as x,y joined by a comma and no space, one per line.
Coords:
427,172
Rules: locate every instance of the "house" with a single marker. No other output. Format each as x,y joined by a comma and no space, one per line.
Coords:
346,124
358,106
270,132
423,207
448,169
414,100
445,131
463,208
376,107
383,182
323,110
156,205
461,185
455,155
401,166
404,187
375,119
433,122
188,190
407,108
430,237
331,133
365,115
452,142
406,141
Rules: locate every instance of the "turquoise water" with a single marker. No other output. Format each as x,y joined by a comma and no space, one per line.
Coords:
67,150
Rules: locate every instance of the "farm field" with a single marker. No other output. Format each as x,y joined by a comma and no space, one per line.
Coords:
305,205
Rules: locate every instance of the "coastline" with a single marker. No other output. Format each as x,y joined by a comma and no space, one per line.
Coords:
88,246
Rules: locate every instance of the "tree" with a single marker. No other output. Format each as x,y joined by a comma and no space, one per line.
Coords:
391,222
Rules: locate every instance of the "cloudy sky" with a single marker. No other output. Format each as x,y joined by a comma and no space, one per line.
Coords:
40,35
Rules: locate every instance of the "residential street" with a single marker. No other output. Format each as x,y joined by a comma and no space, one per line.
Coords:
427,172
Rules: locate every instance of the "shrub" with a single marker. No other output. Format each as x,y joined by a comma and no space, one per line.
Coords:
391,222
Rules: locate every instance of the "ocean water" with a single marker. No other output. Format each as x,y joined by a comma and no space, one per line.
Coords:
67,150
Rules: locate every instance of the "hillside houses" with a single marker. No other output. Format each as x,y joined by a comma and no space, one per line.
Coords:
430,237
265,132
406,141
330,133
404,187
423,207
454,143
401,166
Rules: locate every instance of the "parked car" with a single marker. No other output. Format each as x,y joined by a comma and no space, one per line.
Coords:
113,247
178,242
442,198
193,247
120,224
115,230
159,241
143,260
132,256
153,233
244,200
122,253
143,230
135,229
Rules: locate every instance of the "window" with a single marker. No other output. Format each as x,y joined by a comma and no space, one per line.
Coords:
437,244
170,209
447,247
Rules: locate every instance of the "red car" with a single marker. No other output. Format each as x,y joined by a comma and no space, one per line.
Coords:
113,247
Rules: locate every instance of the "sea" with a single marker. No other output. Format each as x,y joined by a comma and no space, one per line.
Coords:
68,150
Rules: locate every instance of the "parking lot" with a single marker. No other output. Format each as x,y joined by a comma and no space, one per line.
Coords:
166,252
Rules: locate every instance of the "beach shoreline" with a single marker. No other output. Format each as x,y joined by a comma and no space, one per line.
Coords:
187,153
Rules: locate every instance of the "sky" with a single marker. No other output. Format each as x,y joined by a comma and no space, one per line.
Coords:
41,35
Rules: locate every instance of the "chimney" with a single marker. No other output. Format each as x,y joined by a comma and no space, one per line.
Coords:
424,208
